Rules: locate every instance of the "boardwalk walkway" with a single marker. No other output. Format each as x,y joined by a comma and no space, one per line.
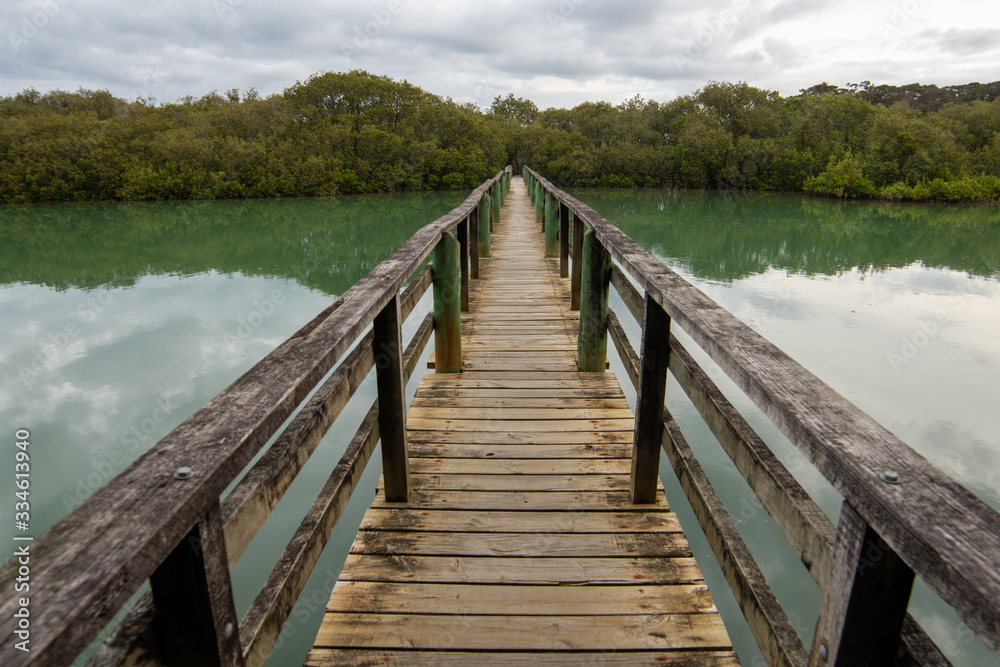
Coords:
519,544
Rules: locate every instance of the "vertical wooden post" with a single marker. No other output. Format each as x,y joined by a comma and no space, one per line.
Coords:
865,600
447,306
551,225
563,240
474,242
388,348
655,353
497,204
592,343
195,621
463,261
485,207
577,275
539,204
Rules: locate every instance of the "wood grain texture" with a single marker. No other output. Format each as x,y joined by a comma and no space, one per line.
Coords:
956,551
519,534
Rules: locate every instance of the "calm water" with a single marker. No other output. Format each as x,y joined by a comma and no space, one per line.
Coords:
120,320
896,307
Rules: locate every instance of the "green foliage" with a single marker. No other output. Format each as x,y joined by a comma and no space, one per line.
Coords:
354,132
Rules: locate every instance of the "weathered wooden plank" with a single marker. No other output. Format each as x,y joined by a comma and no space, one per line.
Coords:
803,523
657,520
544,483
606,501
522,571
360,658
473,401
271,608
590,466
382,597
249,504
518,413
452,452
521,425
521,545
957,553
387,343
520,632
774,633
500,438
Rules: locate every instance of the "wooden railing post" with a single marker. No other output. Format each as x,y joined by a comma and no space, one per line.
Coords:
577,271
563,240
474,241
539,203
551,225
497,199
649,402
865,600
195,620
447,306
463,261
485,209
592,343
388,348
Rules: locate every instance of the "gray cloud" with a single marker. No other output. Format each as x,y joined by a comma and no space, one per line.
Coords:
558,52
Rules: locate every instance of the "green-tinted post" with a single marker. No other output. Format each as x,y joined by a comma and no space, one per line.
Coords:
539,204
551,225
497,203
485,206
447,276
592,344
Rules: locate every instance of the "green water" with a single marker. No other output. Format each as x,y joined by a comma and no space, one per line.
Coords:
120,320
897,307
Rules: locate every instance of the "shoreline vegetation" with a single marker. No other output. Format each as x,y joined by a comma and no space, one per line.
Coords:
355,133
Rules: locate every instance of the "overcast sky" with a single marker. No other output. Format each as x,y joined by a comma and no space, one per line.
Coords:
556,52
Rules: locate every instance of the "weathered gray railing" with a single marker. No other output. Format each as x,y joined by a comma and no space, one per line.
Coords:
161,519
900,517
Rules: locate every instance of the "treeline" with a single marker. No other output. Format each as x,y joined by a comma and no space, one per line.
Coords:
342,133
736,136
333,134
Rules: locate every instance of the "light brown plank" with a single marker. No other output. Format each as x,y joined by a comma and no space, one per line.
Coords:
396,631
594,466
521,545
490,600
358,658
654,521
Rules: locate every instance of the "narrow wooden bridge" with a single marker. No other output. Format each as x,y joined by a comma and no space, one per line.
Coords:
520,518
519,535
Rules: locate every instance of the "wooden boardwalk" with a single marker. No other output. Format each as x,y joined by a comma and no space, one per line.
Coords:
519,544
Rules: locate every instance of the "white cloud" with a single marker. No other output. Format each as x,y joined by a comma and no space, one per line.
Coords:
558,52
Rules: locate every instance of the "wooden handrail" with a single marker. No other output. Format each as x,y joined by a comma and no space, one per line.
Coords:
90,563
955,549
